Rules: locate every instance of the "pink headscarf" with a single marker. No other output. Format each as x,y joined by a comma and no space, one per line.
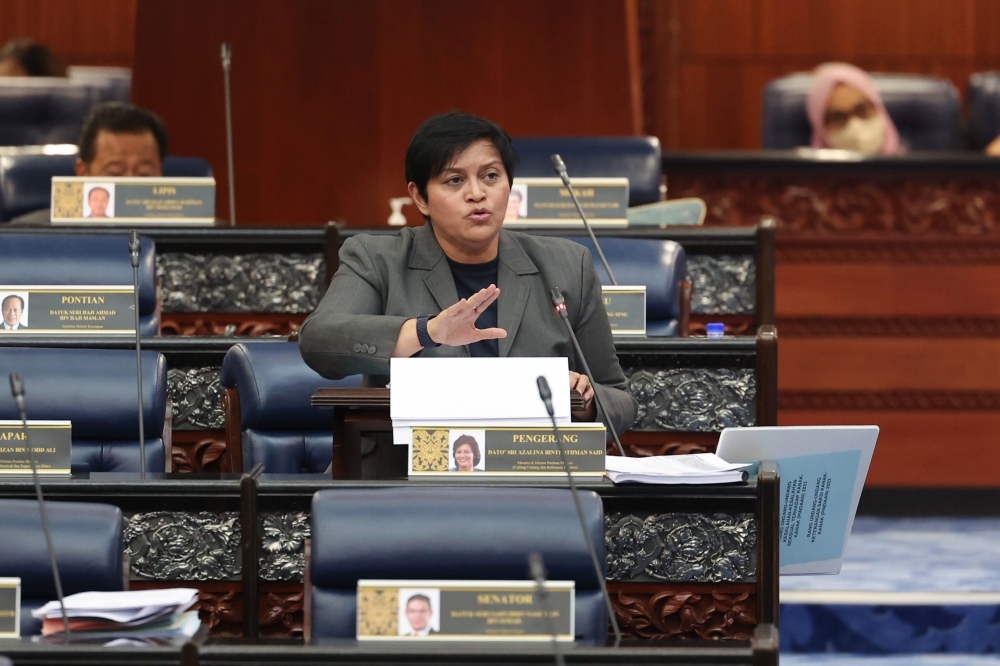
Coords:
826,78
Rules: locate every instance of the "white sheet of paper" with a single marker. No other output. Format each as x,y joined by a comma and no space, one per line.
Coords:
695,463
484,389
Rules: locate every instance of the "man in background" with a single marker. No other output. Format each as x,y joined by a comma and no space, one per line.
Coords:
26,57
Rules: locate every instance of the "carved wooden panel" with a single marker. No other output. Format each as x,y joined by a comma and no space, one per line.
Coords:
194,451
229,324
685,611
280,610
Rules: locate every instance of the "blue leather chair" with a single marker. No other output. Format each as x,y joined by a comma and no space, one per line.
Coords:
925,110
87,540
96,390
449,534
661,265
114,84
634,157
268,413
983,105
84,259
38,111
26,180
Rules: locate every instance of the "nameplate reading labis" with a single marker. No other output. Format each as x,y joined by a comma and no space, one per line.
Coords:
626,308
447,451
452,610
94,200
51,444
10,607
67,310
546,202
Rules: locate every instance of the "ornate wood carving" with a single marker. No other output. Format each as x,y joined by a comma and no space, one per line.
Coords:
230,324
281,612
693,611
890,327
692,399
198,452
222,612
195,397
915,400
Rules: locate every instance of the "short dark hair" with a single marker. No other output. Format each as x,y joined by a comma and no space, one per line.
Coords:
420,597
119,118
440,138
4,304
34,58
473,444
94,189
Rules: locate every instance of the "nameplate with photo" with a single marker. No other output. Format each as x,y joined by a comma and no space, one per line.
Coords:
453,610
128,201
546,202
51,446
10,607
626,308
67,310
447,451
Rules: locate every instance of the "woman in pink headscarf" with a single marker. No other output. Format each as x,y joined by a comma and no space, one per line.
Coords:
846,112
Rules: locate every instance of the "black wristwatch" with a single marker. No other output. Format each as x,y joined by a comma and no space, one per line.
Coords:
423,336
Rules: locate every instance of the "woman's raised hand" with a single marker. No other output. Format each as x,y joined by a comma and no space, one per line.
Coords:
456,326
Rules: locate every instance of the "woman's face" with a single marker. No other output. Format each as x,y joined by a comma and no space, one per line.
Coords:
463,458
846,102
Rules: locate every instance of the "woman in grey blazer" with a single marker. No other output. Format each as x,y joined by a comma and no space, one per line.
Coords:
461,285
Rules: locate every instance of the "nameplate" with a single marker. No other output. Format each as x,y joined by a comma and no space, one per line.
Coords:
51,444
626,307
393,610
10,607
151,201
67,309
451,451
546,202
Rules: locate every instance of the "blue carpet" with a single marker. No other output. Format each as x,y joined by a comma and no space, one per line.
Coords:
895,660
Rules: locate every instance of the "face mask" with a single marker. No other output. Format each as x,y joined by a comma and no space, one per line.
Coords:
863,136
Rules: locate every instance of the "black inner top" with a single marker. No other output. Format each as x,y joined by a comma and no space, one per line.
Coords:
469,279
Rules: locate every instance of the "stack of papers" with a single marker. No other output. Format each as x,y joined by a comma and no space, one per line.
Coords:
147,613
669,470
458,392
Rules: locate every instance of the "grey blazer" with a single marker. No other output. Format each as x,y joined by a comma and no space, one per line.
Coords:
385,280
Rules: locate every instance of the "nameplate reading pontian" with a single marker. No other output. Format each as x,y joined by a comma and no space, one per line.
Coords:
449,450
626,307
451,610
10,607
67,309
51,444
546,202
168,201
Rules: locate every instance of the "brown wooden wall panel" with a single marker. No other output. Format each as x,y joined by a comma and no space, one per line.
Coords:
885,364
886,290
326,94
81,32
922,448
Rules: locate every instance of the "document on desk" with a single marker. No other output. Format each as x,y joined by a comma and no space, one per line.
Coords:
823,470
695,468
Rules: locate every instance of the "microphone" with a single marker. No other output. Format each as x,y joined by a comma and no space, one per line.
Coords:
560,167
546,395
17,390
227,61
536,567
134,247
560,304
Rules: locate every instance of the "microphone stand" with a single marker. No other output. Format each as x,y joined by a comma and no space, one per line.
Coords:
17,390
227,61
546,395
135,246
536,566
560,167
560,304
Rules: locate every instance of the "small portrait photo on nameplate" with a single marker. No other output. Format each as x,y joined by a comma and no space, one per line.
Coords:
447,450
51,447
130,201
546,202
67,310
10,607
454,610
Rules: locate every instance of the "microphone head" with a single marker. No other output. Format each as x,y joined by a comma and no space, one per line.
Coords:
16,385
134,245
558,164
543,389
536,567
557,298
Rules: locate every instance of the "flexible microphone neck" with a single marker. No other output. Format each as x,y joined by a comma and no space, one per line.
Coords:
546,395
536,567
227,61
135,247
560,167
560,305
17,390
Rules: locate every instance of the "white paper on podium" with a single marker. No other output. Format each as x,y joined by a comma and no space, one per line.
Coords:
481,389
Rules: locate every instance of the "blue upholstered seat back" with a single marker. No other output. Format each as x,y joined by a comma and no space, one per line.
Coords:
82,259
86,538
661,265
26,180
40,111
925,110
449,534
983,106
279,426
634,157
96,390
